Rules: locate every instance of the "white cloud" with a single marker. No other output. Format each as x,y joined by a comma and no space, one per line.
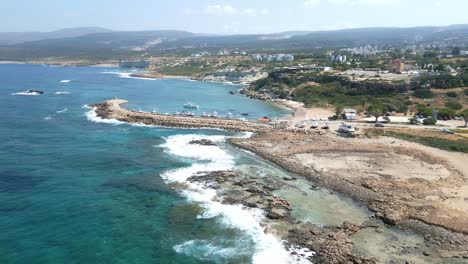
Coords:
222,10
249,12
311,3
264,11
364,2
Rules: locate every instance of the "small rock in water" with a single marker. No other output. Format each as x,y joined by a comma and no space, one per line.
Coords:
203,142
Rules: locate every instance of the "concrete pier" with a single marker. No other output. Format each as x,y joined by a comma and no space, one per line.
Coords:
111,110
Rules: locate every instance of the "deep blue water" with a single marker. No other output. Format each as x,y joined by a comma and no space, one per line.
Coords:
76,191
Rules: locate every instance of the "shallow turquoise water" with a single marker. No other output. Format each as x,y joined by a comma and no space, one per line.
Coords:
75,191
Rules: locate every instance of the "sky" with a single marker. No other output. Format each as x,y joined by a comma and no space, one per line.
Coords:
228,16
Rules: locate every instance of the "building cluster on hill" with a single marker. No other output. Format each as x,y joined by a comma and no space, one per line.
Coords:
273,57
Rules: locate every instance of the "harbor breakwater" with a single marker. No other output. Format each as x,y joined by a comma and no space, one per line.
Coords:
112,109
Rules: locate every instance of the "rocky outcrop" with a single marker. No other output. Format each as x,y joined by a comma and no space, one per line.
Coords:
330,244
203,142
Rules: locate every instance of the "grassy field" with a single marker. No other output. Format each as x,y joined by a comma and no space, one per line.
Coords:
435,139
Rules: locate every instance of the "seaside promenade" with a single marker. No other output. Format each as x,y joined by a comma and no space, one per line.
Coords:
112,109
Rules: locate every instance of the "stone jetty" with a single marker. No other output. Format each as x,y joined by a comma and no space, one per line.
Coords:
112,109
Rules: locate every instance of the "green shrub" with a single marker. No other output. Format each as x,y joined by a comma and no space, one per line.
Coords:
452,94
424,110
424,93
454,105
429,121
465,91
445,113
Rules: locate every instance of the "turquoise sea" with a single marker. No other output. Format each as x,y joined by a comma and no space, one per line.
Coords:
74,189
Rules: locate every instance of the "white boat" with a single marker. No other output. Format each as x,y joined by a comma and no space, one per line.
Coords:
191,106
326,125
229,115
314,124
187,113
346,128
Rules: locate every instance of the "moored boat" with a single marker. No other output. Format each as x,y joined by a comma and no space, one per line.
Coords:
191,106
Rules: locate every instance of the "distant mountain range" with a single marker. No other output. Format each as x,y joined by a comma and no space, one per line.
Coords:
9,38
100,43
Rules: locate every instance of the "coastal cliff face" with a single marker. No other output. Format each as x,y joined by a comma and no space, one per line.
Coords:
402,186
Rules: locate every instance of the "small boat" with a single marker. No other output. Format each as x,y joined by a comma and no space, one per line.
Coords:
204,114
245,114
346,128
232,109
229,115
265,119
191,106
326,125
315,124
187,113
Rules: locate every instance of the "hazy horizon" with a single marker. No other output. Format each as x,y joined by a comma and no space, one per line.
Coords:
230,17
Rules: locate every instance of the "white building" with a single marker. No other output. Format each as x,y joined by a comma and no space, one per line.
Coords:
350,114
338,58
274,57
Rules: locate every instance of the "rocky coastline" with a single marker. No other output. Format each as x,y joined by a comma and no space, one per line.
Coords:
403,187
400,203
329,244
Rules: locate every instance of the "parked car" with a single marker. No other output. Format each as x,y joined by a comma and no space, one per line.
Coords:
379,125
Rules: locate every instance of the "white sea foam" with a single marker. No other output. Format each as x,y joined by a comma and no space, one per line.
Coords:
48,118
60,92
128,75
92,116
61,111
65,81
268,249
204,250
26,93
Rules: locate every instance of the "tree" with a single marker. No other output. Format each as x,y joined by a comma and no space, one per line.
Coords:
429,121
423,93
464,113
454,105
376,110
445,113
451,94
456,51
